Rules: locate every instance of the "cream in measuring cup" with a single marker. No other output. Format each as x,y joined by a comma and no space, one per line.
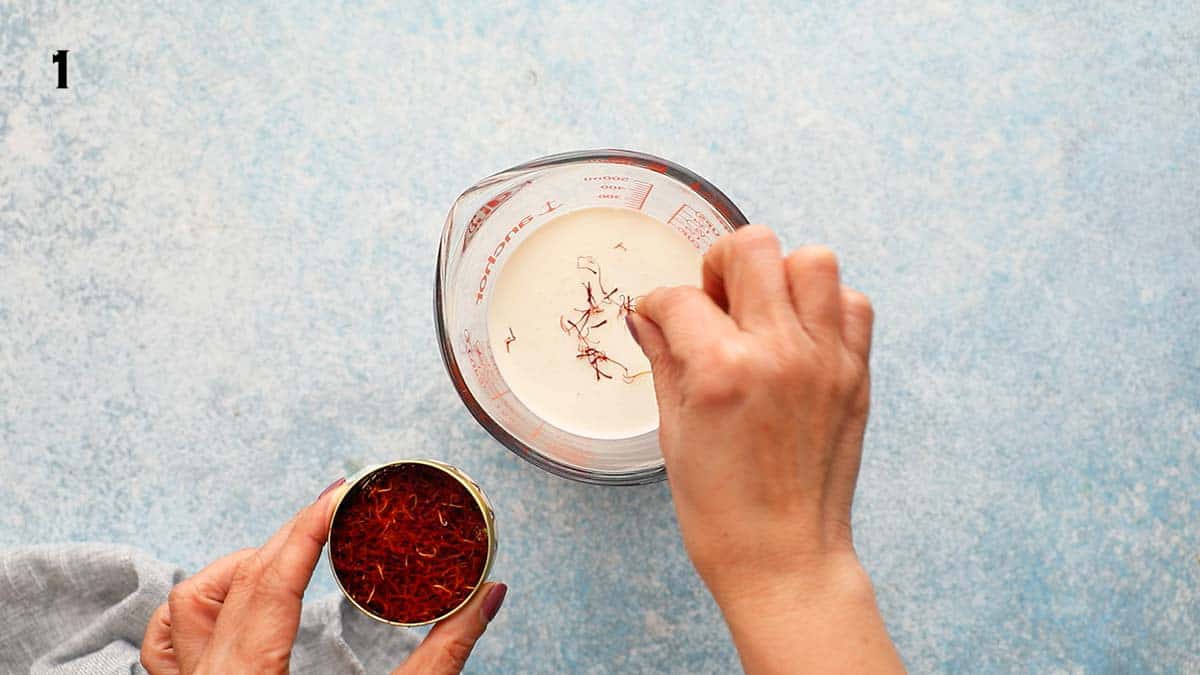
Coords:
556,319
546,369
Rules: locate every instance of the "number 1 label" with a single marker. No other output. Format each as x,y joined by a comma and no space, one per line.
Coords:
60,57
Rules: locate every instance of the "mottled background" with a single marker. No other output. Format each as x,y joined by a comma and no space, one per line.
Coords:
217,252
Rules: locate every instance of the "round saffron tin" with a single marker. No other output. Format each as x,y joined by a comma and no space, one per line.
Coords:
411,541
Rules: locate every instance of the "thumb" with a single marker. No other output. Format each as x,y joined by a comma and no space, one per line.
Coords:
446,648
649,337
654,344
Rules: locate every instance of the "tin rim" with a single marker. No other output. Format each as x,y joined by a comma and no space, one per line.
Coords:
472,488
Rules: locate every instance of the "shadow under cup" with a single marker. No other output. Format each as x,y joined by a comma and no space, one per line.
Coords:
488,221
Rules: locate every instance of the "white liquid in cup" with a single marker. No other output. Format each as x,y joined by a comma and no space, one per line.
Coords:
542,286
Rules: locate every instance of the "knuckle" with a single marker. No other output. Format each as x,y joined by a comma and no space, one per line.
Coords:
792,358
751,237
824,376
802,365
853,372
860,403
832,376
675,301
658,298
711,391
262,658
271,584
176,593
858,383
729,358
456,650
721,381
819,259
181,594
276,584
652,298
781,368
660,365
249,570
840,386
273,578
849,378
672,295
859,304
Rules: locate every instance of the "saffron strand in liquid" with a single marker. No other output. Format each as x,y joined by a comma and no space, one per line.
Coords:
409,543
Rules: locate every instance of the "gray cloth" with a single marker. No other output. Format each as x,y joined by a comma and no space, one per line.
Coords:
82,608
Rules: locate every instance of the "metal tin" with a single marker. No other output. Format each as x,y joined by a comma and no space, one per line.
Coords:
476,492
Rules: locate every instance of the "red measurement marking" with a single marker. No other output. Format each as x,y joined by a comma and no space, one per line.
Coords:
695,226
487,210
630,191
484,368
638,193
537,431
563,450
503,243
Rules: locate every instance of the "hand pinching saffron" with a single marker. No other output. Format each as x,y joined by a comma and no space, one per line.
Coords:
410,542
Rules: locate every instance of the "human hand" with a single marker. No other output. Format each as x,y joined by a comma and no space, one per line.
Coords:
241,613
763,390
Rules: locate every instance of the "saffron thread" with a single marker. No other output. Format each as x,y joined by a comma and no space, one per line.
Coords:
581,326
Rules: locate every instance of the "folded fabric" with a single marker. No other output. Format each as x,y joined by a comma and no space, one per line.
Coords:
82,608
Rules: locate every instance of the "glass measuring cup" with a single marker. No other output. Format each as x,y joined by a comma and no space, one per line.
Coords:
488,221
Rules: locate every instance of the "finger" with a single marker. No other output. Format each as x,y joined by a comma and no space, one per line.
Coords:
858,320
648,336
654,344
816,291
293,564
194,605
847,459
446,649
157,655
269,550
243,594
689,321
269,613
714,284
743,272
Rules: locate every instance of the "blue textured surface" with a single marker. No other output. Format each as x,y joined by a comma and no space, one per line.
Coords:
217,251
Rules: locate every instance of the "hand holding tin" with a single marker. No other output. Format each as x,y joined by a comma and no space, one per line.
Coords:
763,388
241,613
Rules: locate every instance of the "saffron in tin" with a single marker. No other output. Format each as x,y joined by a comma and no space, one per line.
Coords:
409,543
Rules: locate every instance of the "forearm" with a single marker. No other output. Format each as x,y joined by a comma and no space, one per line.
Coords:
825,622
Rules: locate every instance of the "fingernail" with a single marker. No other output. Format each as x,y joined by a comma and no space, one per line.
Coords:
632,328
331,486
495,598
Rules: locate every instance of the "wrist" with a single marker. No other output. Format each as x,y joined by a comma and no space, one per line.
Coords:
823,620
787,592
